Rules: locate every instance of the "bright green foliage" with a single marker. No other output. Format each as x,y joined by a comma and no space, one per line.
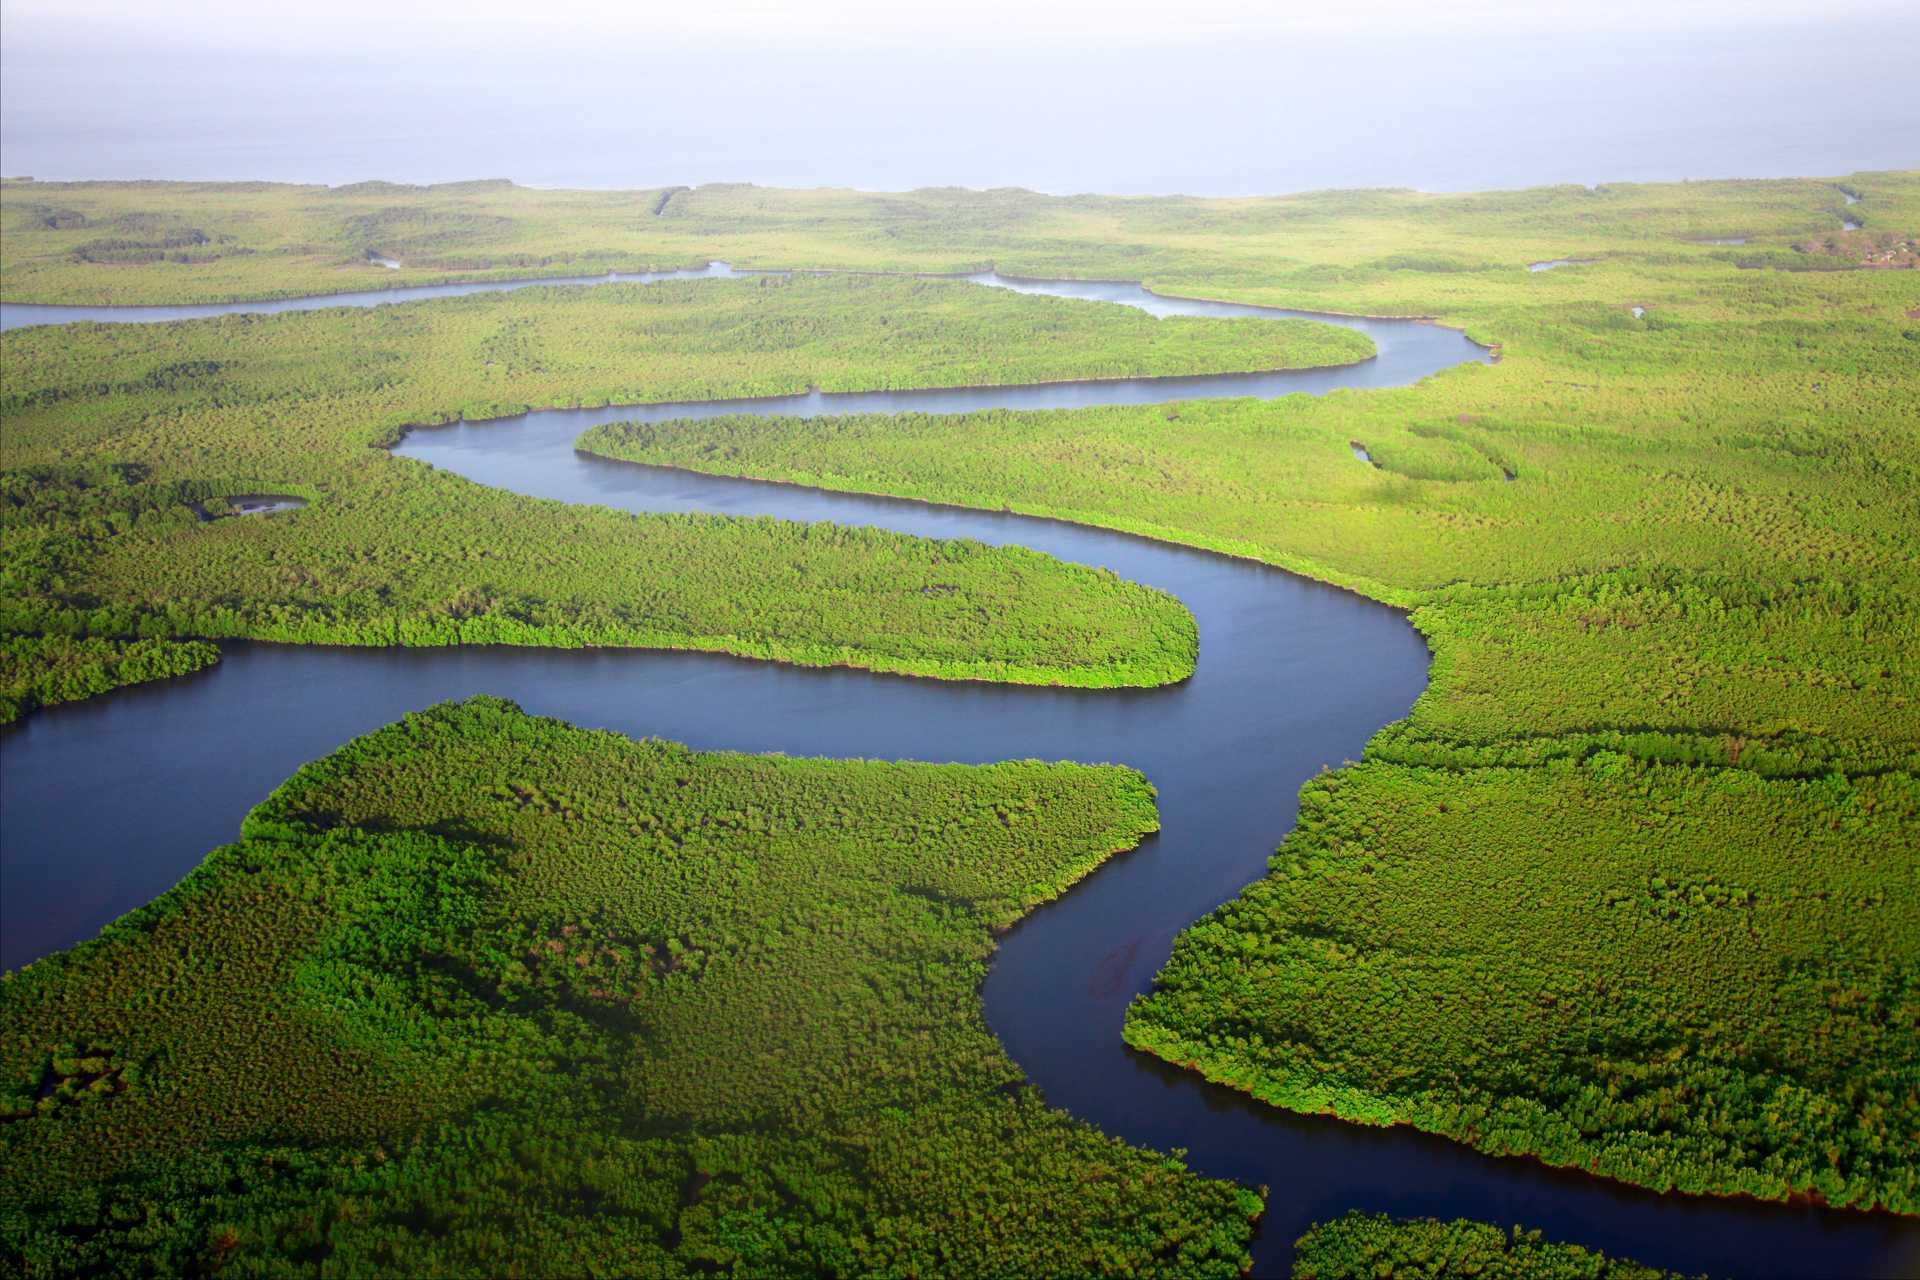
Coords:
1364,1246
36,671
1689,978
1705,559
1376,251
1701,579
485,994
1653,565
113,432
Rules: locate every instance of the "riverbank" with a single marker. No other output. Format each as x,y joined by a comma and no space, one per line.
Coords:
1602,642
994,616
599,1054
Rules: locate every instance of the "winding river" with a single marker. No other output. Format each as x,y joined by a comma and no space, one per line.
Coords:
106,803
17,315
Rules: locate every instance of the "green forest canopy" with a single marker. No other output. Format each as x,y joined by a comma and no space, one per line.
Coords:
119,437
1676,666
1675,654
1364,1246
481,993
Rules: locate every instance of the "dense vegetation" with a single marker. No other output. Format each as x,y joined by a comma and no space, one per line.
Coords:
483,994
1633,888
1375,1247
1677,662
1350,250
1602,963
36,671
118,436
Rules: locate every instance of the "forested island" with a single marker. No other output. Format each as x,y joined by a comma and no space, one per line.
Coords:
485,992
111,456
1630,890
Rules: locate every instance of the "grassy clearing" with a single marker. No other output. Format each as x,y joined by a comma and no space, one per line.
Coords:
482,994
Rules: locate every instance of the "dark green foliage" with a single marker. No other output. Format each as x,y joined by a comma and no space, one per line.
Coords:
1364,1246
482,994
123,252
52,217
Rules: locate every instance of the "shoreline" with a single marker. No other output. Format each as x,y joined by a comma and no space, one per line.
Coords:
1108,528
1166,539
1792,1200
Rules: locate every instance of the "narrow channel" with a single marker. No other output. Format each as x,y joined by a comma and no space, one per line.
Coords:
18,315
104,804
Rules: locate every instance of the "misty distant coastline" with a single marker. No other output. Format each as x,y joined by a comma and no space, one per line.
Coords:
1200,118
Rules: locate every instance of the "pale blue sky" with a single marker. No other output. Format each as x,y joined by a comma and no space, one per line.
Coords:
1130,96
566,22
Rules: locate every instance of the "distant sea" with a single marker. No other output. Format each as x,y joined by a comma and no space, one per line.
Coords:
1446,114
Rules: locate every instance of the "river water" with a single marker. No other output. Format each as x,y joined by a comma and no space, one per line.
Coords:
106,803
18,315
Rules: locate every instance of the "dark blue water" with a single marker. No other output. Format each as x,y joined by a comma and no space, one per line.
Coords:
108,802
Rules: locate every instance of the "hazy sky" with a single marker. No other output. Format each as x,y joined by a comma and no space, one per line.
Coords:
1208,97
1070,22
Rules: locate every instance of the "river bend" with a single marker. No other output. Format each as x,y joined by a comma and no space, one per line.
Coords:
106,803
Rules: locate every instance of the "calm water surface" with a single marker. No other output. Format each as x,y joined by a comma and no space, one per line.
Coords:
16,315
105,804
